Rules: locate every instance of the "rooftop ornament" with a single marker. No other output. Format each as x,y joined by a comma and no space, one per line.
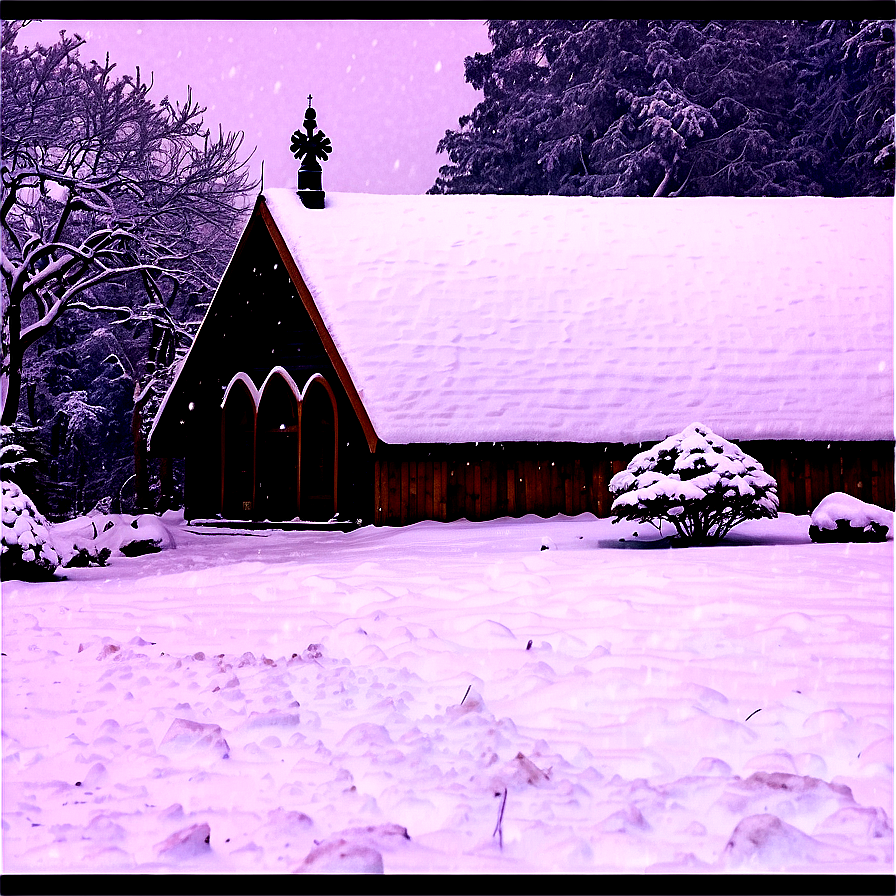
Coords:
309,147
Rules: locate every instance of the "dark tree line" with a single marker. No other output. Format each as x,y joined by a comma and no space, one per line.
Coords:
678,108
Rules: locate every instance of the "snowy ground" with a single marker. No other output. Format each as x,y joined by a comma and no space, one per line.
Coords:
722,709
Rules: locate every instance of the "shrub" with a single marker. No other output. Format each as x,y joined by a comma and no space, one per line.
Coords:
25,545
841,517
700,483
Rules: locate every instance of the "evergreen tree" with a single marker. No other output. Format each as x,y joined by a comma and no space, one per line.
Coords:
667,108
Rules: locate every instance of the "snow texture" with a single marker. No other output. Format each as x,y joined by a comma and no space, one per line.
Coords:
26,545
489,318
839,508
116,533
275,702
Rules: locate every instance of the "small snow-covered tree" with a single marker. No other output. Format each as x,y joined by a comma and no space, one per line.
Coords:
698,482
26,546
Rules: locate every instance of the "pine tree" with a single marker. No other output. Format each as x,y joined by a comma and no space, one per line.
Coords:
669,108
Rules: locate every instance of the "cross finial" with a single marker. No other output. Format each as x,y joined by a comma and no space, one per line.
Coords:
310,147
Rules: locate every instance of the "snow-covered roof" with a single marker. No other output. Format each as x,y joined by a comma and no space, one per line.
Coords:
498,318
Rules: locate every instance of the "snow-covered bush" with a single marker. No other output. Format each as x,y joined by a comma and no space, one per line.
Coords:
841,517
26,547
700,483
13,456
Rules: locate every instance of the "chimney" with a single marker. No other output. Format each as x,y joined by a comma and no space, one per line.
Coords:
309,147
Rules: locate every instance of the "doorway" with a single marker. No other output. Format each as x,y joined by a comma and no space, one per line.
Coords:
318,452
277,451
238,461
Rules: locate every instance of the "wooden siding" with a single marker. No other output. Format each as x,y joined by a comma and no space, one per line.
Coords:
450,482
807,471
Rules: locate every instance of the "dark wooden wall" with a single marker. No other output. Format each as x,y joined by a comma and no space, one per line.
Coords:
449,482
807,471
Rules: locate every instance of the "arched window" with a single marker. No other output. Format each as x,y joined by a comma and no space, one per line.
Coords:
238,449
277,448
319,443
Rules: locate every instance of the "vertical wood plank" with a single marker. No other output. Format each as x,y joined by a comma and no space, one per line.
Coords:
528,470
443,473
569,489
890,468
437,513
510,480
428,511
486,507
376,491
451,490
391,504
403,490
412,516
875,481
578,486
476,466
785,484
811,473
865,467
538,474
599,485
798,468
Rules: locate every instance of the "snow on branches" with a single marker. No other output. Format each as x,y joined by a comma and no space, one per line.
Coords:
26,546
698,482
100,185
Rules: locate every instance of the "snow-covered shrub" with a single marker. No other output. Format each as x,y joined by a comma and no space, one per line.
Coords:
13,456
145,534
841,517
700,483
26,547
90,556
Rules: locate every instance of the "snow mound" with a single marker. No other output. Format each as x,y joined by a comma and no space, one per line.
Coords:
764,842
341,857
187,735
103,534
26,545
841,517
355,850
186,844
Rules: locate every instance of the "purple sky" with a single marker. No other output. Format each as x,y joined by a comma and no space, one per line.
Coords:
385,91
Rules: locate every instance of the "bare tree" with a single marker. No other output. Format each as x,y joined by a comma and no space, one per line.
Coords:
100,185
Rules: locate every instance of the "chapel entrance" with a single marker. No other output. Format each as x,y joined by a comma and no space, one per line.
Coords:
318,473
277,452
238,478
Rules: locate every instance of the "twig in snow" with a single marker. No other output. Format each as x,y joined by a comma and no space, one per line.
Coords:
499,827
750,716
465,695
